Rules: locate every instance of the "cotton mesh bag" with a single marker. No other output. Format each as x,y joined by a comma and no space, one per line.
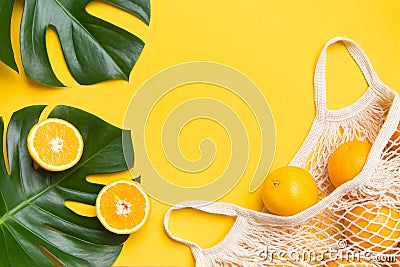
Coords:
355,224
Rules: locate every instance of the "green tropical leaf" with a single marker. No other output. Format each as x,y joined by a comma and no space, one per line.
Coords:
6,51
94,49
33,218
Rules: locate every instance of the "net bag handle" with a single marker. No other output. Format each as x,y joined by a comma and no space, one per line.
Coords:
205,206
358,55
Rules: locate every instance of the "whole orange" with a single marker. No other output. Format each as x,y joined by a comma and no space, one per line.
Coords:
372,227
395,261
289,190
284,264
352,263
395,139
347,161
274,258
277,261
323,227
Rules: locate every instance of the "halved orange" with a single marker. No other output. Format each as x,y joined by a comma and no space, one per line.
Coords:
55,144
122,207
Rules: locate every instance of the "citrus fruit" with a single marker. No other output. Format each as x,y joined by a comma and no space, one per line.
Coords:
348,263
323,227
347,161
289,190
372,227
395,139
278,261
395,261
122,207
55,144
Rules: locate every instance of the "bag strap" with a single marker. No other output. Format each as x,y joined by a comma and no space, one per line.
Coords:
359,57
206,206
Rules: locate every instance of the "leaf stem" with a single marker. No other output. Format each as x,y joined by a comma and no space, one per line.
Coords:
26,202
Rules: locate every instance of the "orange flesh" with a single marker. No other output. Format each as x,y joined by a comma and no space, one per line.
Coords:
56,144
123,206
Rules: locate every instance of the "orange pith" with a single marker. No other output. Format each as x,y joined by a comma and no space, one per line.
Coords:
55,144
122,207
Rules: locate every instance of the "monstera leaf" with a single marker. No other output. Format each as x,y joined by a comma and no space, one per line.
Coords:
37,229
94,49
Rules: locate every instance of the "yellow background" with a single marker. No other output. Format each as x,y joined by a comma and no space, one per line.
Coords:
275,43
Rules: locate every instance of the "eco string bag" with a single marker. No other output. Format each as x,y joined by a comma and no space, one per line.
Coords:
305,239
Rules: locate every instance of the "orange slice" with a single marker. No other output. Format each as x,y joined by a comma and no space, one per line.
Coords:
55,144
122,207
